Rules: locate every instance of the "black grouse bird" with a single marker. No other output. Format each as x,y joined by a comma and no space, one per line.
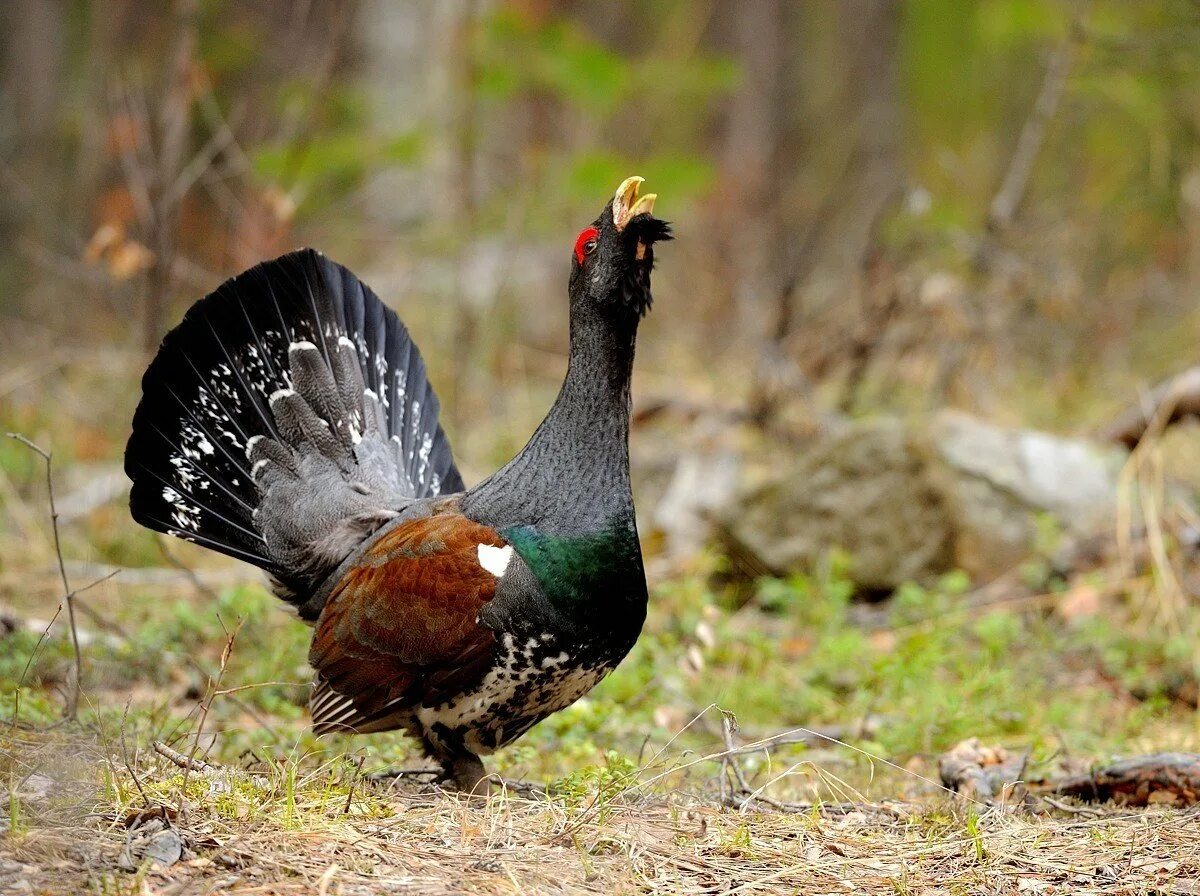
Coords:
288,422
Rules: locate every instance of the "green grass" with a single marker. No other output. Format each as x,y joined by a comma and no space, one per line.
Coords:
922,673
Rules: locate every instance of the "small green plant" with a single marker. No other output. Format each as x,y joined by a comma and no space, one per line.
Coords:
975,833
740,844
818,600
15,825
597,785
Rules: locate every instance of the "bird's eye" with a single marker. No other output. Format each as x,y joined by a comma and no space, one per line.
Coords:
586,242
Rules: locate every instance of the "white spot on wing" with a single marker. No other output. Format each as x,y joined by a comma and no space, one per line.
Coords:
495,560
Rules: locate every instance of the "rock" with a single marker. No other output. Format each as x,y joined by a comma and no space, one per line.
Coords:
161,846
866,490
996,482
703,483
35,789
164,849
980,773
911,501
1073,478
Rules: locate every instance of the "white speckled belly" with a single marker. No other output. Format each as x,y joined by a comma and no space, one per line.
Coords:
530,681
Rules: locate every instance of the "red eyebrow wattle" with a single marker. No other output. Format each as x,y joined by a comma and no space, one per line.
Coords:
588,233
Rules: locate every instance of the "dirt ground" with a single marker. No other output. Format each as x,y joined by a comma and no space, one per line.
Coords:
84,827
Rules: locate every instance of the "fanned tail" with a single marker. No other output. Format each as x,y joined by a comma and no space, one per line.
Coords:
285,419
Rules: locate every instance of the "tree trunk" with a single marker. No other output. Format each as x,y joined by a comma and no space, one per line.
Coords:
750,158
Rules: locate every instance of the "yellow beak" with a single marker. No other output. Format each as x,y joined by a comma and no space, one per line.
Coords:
627,204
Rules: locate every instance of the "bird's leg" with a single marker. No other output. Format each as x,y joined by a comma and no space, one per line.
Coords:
466,772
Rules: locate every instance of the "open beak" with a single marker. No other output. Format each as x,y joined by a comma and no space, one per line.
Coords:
627,204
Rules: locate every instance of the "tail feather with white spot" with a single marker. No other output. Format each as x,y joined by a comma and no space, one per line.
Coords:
284,420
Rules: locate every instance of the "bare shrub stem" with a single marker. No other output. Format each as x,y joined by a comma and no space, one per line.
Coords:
214,687
72,708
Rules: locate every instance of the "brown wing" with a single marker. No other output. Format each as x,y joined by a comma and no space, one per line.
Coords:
402,625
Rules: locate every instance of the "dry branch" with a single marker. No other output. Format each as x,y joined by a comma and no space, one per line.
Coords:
1002,210
1033,134
214,686
205,581
1167,778
12,621
190,763
72,709
736,791
1172,400
989,772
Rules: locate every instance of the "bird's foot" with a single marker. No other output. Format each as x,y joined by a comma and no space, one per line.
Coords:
392,775
464,774
527,789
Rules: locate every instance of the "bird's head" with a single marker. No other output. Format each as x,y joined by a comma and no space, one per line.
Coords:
613,257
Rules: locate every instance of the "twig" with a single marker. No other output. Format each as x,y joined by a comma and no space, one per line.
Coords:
190,573
164,577
1170,778
395,774
29,662
255,714
259,684
760,745
1172,400
125,756
88,587
1072,810
866,342
10,622
744,796
193,763
1016,179
752,800
188,763
72,709
103,622
729,727
806,738
213,687
353,781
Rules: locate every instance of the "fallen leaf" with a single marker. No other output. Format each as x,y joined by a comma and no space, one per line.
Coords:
1080,602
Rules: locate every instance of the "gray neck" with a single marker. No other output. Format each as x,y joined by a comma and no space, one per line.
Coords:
573,475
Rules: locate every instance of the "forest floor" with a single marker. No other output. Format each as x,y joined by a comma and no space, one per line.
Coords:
842,712
314,827
642,792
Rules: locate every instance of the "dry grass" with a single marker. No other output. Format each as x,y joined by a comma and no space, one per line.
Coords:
318,830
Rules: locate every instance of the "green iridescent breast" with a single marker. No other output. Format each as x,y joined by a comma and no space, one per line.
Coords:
575,569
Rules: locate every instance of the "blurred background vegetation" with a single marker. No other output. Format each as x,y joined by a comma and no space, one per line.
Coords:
884,209
993,204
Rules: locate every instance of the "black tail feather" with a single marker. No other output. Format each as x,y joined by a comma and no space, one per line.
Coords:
215,385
